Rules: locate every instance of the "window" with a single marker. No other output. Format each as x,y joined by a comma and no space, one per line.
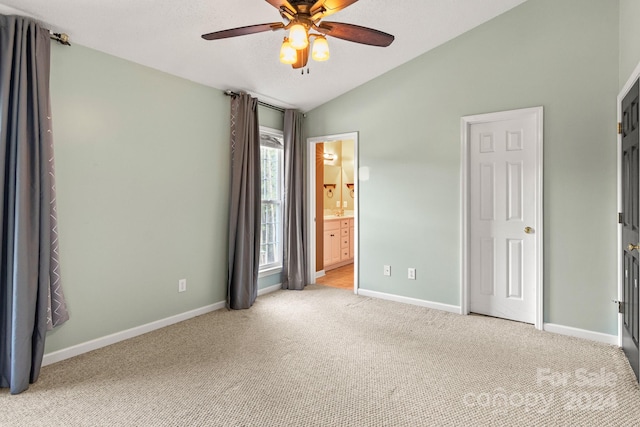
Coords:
271,173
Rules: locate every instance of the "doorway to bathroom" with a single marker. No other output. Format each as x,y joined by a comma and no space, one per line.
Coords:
333,210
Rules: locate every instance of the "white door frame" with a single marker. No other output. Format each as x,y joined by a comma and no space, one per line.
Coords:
311,203
465,250
623,92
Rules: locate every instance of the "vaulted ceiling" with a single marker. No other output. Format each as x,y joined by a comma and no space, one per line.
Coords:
165,35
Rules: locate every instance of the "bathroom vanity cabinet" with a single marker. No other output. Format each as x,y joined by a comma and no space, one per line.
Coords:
338,242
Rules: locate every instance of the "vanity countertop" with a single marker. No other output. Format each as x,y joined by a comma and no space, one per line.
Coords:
330,217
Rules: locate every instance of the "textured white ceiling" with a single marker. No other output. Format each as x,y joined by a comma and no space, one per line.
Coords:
165,34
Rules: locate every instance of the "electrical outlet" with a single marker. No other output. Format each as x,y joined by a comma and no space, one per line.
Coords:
387,270
182,285
344,204
412,273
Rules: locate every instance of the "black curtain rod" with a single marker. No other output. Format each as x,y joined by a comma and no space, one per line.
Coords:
264,104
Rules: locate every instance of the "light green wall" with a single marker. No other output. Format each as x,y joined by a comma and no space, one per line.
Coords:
142,181
629,38
270,118
271,280
142,176
559,54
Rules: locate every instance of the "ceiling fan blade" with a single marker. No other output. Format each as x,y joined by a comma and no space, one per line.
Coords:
356,33
243,31
279,4
330,6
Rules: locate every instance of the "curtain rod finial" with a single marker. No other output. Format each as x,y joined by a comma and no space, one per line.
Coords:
62,38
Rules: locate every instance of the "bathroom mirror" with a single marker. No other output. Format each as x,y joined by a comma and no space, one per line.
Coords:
339,170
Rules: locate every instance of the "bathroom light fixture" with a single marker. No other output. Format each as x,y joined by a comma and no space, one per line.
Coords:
330,157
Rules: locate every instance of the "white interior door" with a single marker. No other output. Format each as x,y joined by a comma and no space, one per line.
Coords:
503,234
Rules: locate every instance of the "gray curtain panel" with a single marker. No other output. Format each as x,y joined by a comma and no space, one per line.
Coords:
31,298
244,204
294,261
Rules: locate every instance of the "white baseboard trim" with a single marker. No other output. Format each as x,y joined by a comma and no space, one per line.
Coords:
581,333
413,301
270,289
97,343
320,273
338,265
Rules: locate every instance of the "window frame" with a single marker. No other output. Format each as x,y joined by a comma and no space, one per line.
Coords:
274,267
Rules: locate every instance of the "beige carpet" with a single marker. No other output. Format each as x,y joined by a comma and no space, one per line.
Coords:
326,357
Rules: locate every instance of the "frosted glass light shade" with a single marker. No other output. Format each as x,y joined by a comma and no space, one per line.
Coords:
298,37
320,51
288,54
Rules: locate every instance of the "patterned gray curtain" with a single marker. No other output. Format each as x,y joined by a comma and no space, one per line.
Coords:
31,298
294,261
244,204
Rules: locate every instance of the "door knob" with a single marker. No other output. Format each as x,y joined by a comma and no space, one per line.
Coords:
632,247
528,230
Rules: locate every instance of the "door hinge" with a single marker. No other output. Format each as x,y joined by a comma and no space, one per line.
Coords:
619,217
619,128
620,306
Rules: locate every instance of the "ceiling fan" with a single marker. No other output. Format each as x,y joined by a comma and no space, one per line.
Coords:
303,16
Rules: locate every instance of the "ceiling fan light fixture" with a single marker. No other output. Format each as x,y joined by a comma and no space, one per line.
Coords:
302,17
288,54
298,36
320,51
